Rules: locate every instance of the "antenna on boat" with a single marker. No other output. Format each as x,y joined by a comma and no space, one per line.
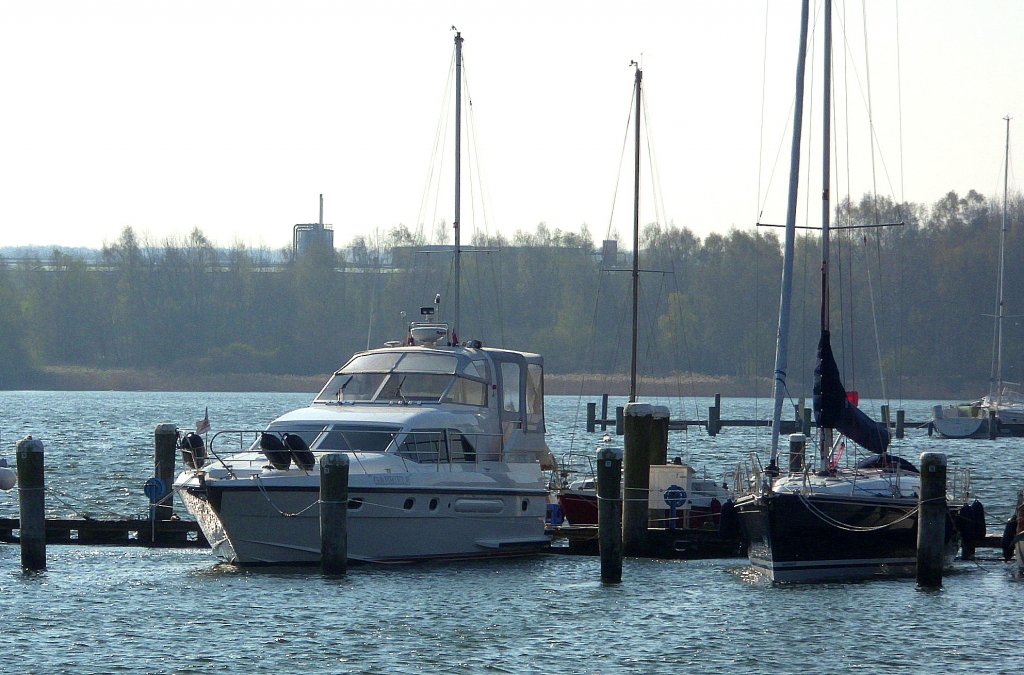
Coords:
458,177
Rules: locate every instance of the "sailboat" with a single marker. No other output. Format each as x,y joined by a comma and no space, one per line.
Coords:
679,497
1002,409
446,447
828,520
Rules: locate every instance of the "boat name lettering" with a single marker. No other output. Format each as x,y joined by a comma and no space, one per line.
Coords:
390,480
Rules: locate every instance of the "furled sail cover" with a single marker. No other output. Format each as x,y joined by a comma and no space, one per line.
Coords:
832,410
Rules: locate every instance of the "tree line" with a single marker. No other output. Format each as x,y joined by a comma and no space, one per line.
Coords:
910,302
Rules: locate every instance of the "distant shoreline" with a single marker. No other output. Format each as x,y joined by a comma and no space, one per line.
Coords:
74,378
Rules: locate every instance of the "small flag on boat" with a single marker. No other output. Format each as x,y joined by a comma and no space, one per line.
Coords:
203,425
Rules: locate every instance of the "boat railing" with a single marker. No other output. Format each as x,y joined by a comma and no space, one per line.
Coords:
958,484
750,475
441,447
573,467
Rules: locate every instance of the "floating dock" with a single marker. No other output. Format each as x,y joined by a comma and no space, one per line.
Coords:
128,532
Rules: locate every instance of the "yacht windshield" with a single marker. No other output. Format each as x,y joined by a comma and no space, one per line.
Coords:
403,377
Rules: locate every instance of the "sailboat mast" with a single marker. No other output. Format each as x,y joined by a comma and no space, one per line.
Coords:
997,375
636,235
458,180
782,343
826,183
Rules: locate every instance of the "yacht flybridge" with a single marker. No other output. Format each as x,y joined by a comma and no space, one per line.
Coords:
446,448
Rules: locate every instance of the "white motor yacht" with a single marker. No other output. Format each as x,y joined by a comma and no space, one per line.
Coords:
446,452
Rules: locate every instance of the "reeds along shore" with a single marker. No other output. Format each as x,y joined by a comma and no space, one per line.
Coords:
73,378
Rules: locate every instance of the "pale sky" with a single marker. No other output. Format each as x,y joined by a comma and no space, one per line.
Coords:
235,116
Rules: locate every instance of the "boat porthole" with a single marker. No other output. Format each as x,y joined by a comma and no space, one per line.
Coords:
433,504
355,504
408,504
526,504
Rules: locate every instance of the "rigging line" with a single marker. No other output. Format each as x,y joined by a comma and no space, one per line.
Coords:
760,141
871,117
440,134
589,350
477,167
874,320
660,216
805,258
899,101
899,211
849,219
618,173
876,146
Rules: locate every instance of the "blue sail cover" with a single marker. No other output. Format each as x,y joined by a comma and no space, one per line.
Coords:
832,410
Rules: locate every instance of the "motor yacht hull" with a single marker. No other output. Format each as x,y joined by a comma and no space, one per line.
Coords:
265,525
811,538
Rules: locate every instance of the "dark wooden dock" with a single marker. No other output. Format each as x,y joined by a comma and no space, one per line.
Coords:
128,532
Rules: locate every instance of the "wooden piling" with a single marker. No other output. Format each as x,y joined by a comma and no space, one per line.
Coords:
620,425
993,425
609,513
334,513
797,447
901,420
604,412
165,438
639,426
931,520
32,504
591,415
715,416
657,451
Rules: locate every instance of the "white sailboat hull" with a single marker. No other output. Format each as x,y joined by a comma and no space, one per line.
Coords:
960,427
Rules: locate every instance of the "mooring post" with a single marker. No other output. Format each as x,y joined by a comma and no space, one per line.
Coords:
639,423
715,416
886,418
164,454
658,449
807,417
604,412
334,513
591,415
609,513
620,425
993,425
931,520
901,420
32,503
797,450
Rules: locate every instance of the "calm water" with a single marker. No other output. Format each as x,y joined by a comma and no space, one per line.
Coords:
99,609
